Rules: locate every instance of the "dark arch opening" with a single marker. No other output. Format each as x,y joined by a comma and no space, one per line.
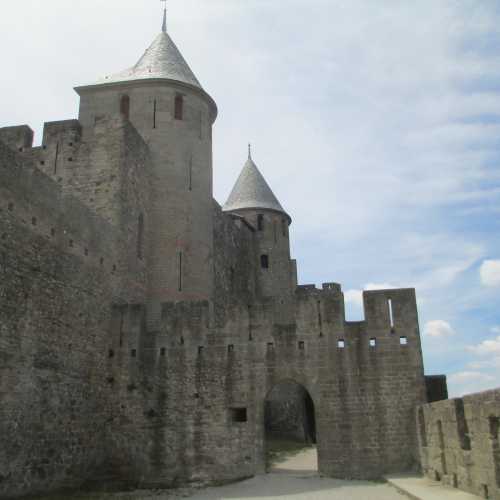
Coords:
290,428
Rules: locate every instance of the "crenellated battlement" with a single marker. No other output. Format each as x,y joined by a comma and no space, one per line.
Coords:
18,138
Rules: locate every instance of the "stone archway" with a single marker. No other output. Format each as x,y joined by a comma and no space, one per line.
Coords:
290,427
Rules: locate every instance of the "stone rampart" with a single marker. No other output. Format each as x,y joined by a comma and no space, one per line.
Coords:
459,442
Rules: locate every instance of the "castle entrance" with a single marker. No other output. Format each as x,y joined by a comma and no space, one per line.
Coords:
290,429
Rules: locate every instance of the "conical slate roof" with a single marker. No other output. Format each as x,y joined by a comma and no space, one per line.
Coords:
162,60
251,191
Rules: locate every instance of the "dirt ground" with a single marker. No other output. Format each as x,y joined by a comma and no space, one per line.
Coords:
293,475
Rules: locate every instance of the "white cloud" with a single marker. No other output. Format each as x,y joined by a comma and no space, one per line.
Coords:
379,286
438,329
469,376
490,273
468,382
484,364
355,296
486,347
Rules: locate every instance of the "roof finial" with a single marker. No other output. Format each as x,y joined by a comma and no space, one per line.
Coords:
249,151
164,26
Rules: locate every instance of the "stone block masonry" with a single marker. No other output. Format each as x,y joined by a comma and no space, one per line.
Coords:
459,442
142,327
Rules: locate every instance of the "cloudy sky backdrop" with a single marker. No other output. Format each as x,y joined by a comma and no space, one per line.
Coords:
377,124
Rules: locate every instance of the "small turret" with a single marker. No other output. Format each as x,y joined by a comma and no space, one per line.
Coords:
253,199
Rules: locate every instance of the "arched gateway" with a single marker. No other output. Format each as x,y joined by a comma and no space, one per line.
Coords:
289,425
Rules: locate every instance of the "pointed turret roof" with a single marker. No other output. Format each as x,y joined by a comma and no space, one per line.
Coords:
162,60
251,191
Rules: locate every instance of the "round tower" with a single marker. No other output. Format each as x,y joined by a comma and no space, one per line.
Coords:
162,98
253,199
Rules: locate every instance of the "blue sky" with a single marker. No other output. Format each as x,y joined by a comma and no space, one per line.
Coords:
377,124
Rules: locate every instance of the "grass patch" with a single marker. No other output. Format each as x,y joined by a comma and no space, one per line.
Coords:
279,450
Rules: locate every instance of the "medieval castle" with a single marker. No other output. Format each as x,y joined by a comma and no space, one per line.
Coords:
143,326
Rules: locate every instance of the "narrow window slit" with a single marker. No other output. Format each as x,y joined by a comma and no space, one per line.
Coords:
140,236
56,158
421,427
391,314
190,173
180,271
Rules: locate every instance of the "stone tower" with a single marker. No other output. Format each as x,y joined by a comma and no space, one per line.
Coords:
253,199
164,101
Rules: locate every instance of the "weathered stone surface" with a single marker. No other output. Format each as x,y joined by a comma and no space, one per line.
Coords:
459,442
139,331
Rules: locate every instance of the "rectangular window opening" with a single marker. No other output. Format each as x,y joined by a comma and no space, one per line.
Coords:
403,340
270,346
341,344
239,415
163,351
179,107
154,114
260,222
133,353
200,350
494,428
230,348
264,261
373,342
302,345
125,106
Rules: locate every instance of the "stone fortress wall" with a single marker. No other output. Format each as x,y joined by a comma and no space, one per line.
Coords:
459,442
141,328
63,263
89,394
